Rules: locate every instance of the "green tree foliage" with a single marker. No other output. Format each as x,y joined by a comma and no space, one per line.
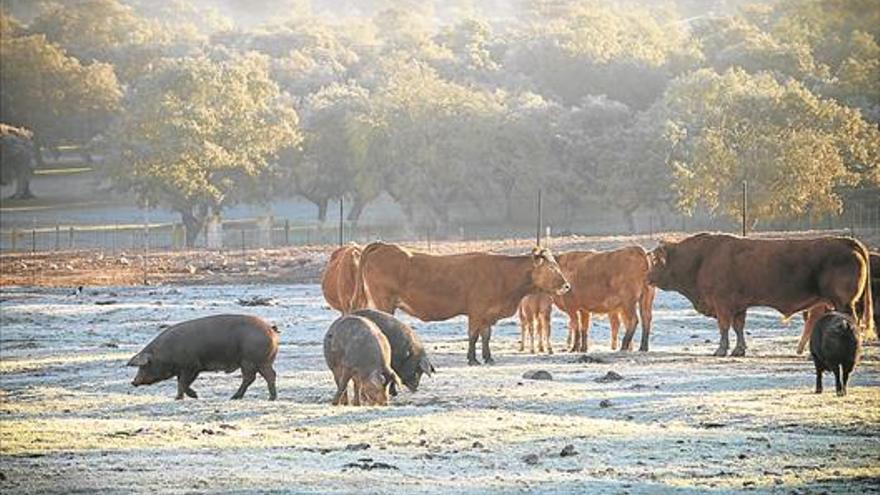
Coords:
52,94
795,150
198,135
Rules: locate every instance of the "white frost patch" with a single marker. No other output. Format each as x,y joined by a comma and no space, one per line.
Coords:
679,418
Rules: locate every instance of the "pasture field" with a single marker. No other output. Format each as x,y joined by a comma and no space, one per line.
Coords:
679,420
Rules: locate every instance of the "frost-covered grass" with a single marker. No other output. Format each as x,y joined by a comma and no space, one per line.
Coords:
679,420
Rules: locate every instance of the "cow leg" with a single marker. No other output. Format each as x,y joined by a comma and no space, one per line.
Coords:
531,332
838,385
811,316
248,375
545,332
573,325
614,323
584,331
724,329
485,335
646,315
522,331
739,324
473,334
631,321
537,330
184,379
268,374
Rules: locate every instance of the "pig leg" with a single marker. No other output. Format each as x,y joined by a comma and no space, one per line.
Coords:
269,375
342,380
473,334
485,335
184,380
724,329
739,323
356,401
847,369
818,375
248,375
838,385
614,323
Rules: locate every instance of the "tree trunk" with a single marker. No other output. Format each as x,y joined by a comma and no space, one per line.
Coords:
630,219
322,209
357,209
194,225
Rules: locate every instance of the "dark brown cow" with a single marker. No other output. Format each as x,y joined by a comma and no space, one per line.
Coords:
612,283
485,287
812,315
724,275
340,277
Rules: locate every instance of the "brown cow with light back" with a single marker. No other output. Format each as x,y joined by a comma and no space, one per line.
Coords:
612,283
724,275
340,277
485,287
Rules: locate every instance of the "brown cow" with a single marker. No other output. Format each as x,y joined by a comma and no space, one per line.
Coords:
812,315
534,319
612,283
485,287
724,275
340,277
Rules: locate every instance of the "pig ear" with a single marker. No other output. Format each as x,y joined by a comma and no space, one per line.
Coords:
377,379
140,359
426,366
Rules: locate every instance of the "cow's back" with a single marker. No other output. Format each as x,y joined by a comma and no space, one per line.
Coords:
604,281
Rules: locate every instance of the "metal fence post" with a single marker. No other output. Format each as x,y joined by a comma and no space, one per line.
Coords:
14,238
287,232
57,237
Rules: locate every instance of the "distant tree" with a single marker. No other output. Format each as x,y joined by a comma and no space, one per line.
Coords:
16,160
795,150
52,94
334,159
198,136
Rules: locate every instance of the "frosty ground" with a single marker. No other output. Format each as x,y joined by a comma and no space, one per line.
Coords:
679,420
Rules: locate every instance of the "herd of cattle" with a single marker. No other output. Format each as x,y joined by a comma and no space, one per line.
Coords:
828,279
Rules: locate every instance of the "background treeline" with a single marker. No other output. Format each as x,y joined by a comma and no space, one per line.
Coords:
626,106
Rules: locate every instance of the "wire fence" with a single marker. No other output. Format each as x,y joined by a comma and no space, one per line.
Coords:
860,219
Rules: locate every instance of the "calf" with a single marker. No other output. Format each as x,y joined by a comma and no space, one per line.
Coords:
834,345
214,343
356,350
408,357
534,318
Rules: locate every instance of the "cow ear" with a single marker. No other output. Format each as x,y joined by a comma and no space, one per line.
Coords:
426,366
538,256
140,359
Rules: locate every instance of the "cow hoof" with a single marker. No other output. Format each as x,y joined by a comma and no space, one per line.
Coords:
738,352
489,361
235,397
643,349
841,393
473,362
720,352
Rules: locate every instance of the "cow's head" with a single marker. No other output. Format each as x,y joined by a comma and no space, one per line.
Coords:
660,274
546,274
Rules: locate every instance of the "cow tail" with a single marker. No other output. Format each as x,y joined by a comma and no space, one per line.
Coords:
868,299
866,320
360,299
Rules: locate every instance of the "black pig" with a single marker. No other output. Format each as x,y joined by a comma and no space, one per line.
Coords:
408,357
214,343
